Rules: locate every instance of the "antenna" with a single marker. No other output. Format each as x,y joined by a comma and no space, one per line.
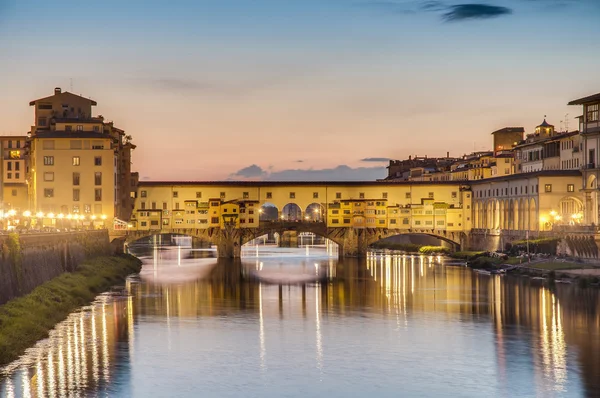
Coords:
567,122
561,125
71,84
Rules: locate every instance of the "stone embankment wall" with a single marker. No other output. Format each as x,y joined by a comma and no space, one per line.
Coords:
27,261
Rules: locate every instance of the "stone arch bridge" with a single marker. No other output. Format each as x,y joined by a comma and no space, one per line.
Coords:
352,242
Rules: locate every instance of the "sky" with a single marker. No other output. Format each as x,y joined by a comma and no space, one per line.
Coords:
301,90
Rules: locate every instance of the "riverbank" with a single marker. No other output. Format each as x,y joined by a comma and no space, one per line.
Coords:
27,319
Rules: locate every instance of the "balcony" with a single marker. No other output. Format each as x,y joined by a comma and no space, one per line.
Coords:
589,166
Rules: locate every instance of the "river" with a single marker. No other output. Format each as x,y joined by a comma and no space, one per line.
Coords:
291,323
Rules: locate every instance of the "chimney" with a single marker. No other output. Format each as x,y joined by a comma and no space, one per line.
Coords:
409,157
448,154
57,91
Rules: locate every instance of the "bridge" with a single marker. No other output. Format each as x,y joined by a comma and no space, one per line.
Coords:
351,214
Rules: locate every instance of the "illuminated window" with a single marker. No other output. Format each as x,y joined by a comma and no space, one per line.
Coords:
245,195
570,187
48,160
361,195
15,154
48,192
292,195
548,188
76,160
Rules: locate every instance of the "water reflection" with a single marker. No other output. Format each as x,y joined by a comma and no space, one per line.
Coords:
299,318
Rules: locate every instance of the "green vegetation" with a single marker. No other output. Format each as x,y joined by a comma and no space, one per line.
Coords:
434,250
406,247
542,245
466,254
27,319
557,265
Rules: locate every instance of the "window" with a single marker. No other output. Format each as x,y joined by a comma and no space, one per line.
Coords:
164,205
407,195
245,195
222,195
175,194
269,195
361,195
97,160
79,127
384,195
292,195
335,212
405,221
42,121
143,194
48,160
346,221
96,129
68,128
17,176
75,178
338,195
48,144
315,195
76,160
198,195
14,192
15,154
176,205
48,192
76,144
454,195
75,208
17,166
76,195
97,178
417,222
430,195
87,209
9,176
251,220
570,187
9,166
548,188
592,113
97,145
440,222
335,221
98,194
214,220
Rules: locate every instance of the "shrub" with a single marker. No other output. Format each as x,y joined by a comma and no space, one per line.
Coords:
434,250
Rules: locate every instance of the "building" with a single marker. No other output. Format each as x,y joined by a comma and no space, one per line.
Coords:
14,174
507,138
590,147
79,165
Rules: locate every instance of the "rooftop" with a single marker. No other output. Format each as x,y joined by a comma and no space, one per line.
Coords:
71,134
586,100
510,130
266,184
58,92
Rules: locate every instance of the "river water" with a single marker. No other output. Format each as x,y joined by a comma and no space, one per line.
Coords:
287,323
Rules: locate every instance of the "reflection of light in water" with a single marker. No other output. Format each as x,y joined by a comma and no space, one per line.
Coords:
130,331
61,369
318,331
104,344
558,347
51,375
39,375
261,333
95,360
10,389
167,296
83,355
26,386
70,360
76,359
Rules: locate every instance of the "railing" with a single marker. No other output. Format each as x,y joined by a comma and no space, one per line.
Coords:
575,229
589,166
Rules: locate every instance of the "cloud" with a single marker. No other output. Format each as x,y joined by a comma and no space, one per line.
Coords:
252,171
464,12
338,173
378,160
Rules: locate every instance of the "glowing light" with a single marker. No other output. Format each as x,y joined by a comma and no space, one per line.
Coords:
39,214
12,212
50,215
69,216
553,213
557,218
61,215
93,217
103,216
543,219
27,213
75,217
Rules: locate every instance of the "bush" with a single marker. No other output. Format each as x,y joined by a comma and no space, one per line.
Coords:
434,250
406,247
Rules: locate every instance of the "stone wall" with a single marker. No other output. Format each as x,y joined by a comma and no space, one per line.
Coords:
27,261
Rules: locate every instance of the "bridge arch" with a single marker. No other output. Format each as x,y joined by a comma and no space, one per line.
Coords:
452,239
315,212
268,212
291,212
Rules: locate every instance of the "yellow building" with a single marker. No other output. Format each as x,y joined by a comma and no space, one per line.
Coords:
72,160
14,174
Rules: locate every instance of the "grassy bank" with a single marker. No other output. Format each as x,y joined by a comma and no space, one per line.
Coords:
27,319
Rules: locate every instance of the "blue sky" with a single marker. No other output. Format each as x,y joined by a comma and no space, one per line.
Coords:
300,88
